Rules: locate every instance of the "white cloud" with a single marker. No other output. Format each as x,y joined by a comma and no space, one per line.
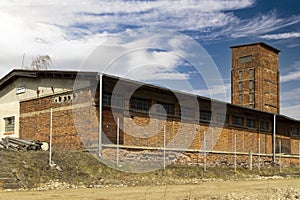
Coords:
291,111
292,76
280,36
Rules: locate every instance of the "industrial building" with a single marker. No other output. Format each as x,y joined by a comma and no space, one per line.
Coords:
252,120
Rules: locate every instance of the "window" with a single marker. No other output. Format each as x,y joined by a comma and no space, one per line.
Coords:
264,125
205,115
245,59
169,108
236,120
240,85
251,97
139,104
186,112
9,124
251,73
240,74
221,118
241,98
116,101
251,85
251,123
294,131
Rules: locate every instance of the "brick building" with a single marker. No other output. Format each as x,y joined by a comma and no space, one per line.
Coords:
76,112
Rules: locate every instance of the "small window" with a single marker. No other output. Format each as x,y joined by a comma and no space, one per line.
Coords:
251,73
251,85
241,98
264,125
250,123
240,85
240,74
205,115
139,104
245,59
169,108
236,120
186,112
9,124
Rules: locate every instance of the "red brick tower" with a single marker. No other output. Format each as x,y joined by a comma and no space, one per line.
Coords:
255,77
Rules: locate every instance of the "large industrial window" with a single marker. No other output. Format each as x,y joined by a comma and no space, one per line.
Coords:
294,131
264,125
9,124
186,112
222,118
205,115
251,123
169,108
236,120
139,104
117,101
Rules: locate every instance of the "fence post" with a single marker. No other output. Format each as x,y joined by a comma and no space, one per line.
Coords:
280,156
204,149
118,140
259,153
250,160
164,146
50,142
235,152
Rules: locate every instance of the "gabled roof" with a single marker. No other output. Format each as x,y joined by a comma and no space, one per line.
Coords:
258,43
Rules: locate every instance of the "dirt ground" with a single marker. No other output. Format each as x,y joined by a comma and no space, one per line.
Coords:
258,189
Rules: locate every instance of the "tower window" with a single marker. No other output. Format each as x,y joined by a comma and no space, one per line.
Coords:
251,85
251,97
251,73
240,75
240,85
245,59
241,98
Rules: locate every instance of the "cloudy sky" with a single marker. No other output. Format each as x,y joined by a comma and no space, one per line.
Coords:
69,31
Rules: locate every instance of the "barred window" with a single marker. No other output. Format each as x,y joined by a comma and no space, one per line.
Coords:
251,123
251,72
251,85
205,115
240,85
264,125
139,104
236,120
169,108
240,74
9,124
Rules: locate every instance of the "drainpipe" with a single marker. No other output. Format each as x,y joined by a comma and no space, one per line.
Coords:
100,117
274,139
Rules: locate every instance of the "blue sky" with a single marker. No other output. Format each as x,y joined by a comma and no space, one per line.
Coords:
68,32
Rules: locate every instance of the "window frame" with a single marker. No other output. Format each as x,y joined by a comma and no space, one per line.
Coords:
140,104
233,117
11,128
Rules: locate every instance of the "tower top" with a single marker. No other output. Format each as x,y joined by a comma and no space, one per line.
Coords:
258,43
